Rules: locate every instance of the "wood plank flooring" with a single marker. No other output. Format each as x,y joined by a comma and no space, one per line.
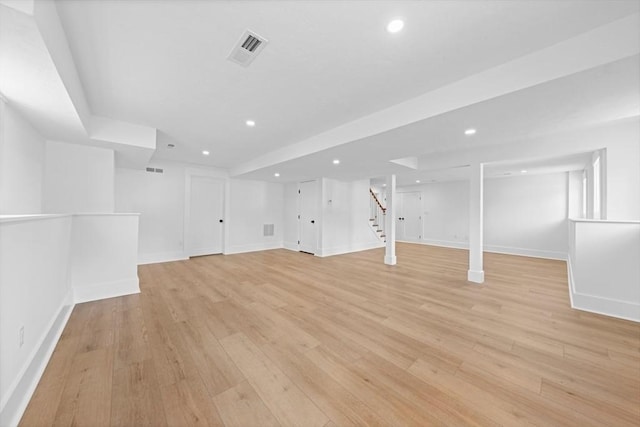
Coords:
283,338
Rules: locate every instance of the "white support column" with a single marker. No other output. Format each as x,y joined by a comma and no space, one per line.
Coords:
476,272
390,223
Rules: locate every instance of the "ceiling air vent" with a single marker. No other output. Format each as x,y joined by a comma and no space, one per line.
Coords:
247,48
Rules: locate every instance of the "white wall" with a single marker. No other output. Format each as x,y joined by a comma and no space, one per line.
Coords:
343,221
34,288
159,198
21,164
47,264
445,215
345,217
253,204
623,174
614,290
104,254
525,215
290,216
78,178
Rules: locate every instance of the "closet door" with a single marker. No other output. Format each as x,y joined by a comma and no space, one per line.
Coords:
308,222
205,216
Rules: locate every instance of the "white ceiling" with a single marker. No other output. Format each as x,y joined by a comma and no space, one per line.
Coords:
163,64
331,83
603,94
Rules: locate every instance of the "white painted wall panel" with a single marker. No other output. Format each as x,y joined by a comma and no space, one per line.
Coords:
253,204
159,198
21,164
345,217
614,290
527,212
524,215
78,178
290,216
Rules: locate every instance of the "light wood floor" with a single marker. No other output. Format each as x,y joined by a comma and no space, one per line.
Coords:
283,338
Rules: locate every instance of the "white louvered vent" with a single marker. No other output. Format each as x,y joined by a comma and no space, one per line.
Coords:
247,48
268,229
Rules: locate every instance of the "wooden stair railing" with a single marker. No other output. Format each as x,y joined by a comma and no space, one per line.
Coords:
377,215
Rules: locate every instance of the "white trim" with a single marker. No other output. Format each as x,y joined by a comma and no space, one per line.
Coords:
189,173
606,306
254,247
340,250
442,243
158,257
532,253
611,221
106,214
390,260
475,276
36,217
570,280
106,290
292,246
600,305
20,393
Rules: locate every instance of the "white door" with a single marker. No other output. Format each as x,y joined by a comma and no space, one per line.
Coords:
411,216
308,222
408,217
205,220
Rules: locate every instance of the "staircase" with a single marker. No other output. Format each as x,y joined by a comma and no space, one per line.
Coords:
377,216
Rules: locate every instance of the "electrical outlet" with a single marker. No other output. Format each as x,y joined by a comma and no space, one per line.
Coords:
21,337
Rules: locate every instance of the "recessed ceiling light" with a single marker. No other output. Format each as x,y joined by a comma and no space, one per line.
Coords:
250,123
336,162
395,26
276,174
470,132
205,153
384,185
417,181
523,171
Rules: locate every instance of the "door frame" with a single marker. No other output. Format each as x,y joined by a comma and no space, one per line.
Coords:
318,221
401,212
203,173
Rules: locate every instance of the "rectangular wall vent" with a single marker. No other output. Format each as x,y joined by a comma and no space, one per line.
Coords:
156,170
247,48
268,229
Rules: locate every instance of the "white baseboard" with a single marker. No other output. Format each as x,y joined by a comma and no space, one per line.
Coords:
340,250
533,253
475,276
606,306
292,246
443,243
601,305
21,392
254,247
105,290
508,250
159,257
